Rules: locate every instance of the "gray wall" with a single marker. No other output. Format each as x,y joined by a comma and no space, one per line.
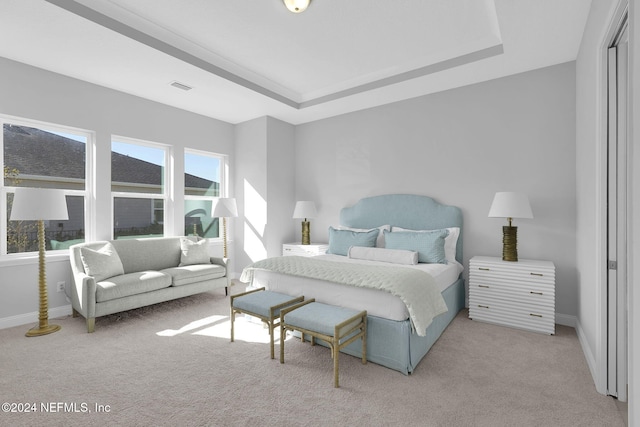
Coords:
591,188
460,147
264,182
32,93
591,192
591,159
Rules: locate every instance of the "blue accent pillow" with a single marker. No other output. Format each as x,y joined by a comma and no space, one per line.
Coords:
428,244
341,240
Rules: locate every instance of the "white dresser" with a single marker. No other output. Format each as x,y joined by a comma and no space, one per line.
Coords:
298,249
517,294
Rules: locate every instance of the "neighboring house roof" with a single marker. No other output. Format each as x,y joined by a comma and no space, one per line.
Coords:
36,152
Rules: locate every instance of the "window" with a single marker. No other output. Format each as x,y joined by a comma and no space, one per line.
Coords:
202,183
43,156
138,176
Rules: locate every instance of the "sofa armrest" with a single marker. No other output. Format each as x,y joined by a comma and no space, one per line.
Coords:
83,294
220,261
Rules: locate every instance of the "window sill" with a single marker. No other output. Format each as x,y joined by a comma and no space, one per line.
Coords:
32,258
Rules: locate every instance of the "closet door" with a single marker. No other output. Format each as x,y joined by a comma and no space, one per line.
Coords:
617,197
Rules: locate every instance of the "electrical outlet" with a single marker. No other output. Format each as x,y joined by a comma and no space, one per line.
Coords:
61,286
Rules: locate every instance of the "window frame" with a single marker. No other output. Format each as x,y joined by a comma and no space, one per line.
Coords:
166,178
89,215
171,196
222,184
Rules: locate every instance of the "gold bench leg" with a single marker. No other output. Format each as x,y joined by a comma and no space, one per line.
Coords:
282,336
233,318
364,340
271,339
336,365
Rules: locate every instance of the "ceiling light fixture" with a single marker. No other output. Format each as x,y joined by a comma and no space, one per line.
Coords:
297,6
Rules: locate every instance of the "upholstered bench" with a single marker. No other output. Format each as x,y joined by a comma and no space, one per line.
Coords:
337,326
265,305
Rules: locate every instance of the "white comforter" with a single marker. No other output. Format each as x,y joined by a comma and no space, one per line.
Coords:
415,288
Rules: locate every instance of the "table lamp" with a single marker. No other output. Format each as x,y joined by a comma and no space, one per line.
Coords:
510,205
36,204
304,210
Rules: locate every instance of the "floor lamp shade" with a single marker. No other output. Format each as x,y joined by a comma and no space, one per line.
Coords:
35,204
305,209
224,207
510,205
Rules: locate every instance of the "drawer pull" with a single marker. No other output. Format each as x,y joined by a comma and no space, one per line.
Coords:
483,286
536,293
535,315
484,269
537,274
483,306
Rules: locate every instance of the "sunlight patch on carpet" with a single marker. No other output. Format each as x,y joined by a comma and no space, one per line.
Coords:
246,330
197,324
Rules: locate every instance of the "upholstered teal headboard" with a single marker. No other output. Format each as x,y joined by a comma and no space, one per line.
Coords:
403,210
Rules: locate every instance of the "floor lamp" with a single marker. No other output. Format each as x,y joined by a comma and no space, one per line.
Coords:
224,208
35,204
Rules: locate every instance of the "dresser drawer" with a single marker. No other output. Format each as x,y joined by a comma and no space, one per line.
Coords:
541,307
512,274
516,294
515,317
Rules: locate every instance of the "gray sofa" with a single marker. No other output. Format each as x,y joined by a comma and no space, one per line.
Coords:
119,275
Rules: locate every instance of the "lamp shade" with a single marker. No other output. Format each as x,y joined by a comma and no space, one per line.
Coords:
34,204
508,204
224,208
304,209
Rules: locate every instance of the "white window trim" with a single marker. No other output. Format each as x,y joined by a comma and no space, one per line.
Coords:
223,189
89,213
167,229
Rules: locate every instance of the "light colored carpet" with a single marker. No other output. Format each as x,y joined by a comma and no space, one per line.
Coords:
172,364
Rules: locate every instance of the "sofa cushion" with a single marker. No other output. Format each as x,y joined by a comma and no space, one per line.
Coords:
193,252
195,273
101,263
131,284
148,254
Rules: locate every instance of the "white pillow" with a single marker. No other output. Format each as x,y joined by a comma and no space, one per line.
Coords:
379,241
450,242
193,253
101,263
396,256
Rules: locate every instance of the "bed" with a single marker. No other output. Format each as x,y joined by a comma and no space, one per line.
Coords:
392,338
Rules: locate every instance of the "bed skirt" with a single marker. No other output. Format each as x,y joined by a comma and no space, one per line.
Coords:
392,344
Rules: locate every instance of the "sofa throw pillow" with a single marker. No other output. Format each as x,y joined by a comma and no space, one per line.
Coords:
101,263
194,252
428,244
341,240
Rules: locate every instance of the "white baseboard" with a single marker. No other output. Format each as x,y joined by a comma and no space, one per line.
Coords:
27,318
567,320
588,355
